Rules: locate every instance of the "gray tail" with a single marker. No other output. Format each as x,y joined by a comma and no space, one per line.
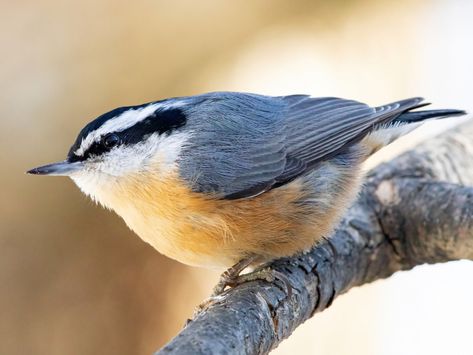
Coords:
402,124
417,116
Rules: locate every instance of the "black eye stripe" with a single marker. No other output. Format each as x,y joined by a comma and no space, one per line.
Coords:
161,121
96,149
94,125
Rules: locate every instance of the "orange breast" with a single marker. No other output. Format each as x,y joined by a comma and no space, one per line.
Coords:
199,230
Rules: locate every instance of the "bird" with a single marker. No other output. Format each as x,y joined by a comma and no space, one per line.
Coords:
230,180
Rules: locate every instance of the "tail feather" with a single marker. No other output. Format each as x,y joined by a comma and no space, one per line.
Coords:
403,124
416,116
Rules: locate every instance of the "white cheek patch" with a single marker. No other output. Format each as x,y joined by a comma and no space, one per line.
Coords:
157,152
157,155
126,120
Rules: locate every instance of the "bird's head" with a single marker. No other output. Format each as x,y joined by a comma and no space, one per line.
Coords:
124,142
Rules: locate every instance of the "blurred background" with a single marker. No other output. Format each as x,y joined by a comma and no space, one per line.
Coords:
75,280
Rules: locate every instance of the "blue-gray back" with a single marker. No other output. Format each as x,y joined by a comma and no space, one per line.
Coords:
245,144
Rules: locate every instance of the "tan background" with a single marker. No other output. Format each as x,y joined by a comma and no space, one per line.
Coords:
75,280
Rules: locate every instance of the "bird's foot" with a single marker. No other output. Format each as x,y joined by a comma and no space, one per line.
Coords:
228,278
232,278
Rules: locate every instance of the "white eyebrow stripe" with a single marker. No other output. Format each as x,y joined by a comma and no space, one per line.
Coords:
121,122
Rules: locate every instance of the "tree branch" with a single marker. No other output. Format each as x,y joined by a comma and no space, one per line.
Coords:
413,210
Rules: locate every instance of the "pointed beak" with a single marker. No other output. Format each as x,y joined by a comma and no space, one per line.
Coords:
62,168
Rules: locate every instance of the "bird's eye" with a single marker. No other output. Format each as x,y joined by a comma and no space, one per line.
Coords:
110,140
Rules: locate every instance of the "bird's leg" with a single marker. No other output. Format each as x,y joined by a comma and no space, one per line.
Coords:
231,276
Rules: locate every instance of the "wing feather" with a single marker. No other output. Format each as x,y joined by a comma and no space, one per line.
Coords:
256,142
332,123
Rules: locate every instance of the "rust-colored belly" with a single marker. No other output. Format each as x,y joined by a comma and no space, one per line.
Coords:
199,230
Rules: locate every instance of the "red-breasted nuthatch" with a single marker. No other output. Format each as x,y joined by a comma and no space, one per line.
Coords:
231,178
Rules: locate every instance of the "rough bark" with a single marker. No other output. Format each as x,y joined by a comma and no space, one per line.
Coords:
416,209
